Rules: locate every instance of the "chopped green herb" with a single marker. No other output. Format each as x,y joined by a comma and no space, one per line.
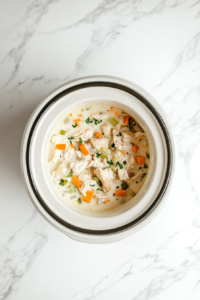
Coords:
74,125
96,122
143,175
70,142
62,132
103,133
119,134
119,150
124,162
62,182
80,140
99,189
98,154
136,181
88,108
124,186
110,162
79,200
147,155
71,138
92,185
113,145
119,165
69,175
88,120
117,187
100,113
140,168
60,156
145,166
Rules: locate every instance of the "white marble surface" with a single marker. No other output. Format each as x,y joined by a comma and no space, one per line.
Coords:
155,44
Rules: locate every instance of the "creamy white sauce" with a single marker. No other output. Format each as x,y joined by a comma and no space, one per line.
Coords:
62,162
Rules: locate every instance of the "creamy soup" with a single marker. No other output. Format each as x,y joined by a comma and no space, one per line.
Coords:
98,157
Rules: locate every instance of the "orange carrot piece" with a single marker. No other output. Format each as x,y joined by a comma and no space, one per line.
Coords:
71,145
106,201
140,160
88,197
76,182
76,121
98,134
84,150
126,120
123,152
120,192
114,111
81,116
61,146
135,148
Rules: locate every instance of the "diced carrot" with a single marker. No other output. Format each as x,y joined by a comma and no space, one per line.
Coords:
76,182
88,197
135,148
120,192
126,120
106,201
115,111
98,134
61,146
123,152
81,116
84,150
71,145
76,121
140,160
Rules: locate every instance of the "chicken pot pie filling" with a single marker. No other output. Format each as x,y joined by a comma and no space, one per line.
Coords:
98,157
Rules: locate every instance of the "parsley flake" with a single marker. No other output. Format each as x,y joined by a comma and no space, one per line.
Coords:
113,145
110,162
119,165
124,162
74,125
80,140
97,155
79,200
119,134
69,175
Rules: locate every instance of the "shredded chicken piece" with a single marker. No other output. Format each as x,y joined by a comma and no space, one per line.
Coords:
130,162
140,135
134,177
105,128
123,175
90,148
128,137
55,155
98,143
84,134
117,139
106,177
69,152
61,172
124,128
96,162
82,156
102,116
89,185
127,146
83,177
78,166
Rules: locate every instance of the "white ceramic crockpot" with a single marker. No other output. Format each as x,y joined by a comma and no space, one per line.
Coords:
115,224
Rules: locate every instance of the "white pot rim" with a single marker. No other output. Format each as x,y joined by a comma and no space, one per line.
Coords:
81,234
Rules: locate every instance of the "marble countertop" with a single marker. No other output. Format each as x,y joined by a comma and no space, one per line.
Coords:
155,44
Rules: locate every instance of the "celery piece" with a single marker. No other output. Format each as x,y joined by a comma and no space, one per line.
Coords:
97,180
72,190
113,121
103,149
106,137
104,155
62,182
62,132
